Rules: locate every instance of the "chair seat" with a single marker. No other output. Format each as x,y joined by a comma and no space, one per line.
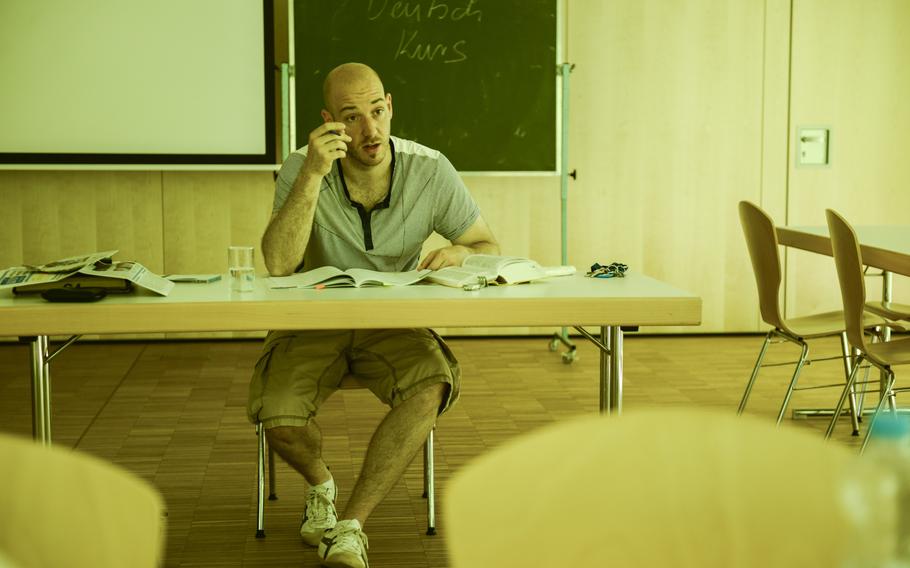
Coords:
773,496
890,310
890,352
826,324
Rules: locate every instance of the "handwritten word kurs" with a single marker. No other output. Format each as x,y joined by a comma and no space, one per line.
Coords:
411,49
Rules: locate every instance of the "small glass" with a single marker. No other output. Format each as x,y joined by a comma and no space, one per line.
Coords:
241,270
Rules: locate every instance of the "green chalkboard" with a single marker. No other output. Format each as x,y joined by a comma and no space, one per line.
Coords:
474,79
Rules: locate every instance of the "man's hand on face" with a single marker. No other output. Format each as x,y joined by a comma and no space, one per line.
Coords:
452,255
327,143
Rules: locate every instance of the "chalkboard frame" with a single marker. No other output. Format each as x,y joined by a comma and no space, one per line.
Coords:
231,161
298,132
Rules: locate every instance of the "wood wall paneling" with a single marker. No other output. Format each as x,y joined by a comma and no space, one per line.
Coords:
849,74
12,218
63,213
204,213
775,150
666,119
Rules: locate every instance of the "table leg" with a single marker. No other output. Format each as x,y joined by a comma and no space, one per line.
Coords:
611,370
886,331
616,338
41,390
610,345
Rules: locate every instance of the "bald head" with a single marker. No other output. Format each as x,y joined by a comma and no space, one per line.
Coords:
356,102
348,78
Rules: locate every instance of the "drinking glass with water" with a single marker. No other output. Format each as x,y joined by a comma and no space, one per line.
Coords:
241,270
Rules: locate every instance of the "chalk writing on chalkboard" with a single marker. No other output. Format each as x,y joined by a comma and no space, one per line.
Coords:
475,79
411,45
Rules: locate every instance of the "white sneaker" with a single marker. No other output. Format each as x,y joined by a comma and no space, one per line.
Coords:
344,546
319,515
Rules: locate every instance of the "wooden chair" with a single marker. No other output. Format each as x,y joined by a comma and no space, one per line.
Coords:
347,382
670,487
66,508
761,239
883,356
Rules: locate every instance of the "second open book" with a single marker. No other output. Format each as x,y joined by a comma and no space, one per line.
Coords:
494,269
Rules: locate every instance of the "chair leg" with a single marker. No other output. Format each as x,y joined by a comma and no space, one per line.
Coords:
804,354
260,483
429,483
878,409
761,355
876,337
848,369
848,388
273,495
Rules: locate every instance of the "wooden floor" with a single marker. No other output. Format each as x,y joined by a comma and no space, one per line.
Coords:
173,413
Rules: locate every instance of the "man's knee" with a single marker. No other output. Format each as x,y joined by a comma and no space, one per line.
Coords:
432,397
287,436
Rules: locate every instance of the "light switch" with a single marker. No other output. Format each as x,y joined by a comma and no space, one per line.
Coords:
812,146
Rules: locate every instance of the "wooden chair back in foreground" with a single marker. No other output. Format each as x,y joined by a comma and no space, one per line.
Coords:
65,508
670,487
761,240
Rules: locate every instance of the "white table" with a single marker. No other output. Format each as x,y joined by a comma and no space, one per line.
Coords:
884,247
567,301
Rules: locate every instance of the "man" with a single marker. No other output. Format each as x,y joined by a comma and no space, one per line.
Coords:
355,197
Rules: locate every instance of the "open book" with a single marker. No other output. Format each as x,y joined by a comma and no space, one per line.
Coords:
331,277
494,269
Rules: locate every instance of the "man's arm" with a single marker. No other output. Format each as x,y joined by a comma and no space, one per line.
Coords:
288,233
478,239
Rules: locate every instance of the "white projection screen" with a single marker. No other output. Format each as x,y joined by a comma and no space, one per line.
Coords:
136,82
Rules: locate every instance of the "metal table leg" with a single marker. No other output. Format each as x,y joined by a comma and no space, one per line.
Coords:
886,332
41,384
610,345
41,390
614,370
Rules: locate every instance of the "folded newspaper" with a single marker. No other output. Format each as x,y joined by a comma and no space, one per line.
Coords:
88,270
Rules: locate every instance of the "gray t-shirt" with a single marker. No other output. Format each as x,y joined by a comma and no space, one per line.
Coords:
426,195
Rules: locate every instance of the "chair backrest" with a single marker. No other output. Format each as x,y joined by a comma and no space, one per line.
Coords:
849,262
65,508
668,487
761,239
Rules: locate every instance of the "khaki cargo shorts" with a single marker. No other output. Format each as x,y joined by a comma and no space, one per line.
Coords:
299,370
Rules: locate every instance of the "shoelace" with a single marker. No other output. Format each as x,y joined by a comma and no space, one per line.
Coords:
344,537
318,504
